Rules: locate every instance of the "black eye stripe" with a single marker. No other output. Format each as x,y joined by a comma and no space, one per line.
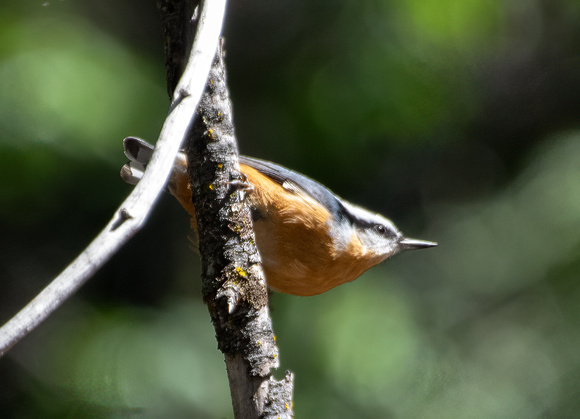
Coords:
384,230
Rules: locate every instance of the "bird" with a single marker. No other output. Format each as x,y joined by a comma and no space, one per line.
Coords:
310,240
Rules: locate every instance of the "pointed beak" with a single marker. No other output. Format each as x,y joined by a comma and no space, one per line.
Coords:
412,244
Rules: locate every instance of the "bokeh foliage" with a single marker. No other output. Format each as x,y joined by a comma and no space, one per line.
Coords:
458,119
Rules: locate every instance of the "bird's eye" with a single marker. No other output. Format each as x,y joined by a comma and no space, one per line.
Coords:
379,228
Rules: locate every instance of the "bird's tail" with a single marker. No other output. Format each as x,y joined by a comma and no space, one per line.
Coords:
138,152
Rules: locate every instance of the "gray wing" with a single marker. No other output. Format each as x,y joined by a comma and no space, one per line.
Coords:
139,152
287,177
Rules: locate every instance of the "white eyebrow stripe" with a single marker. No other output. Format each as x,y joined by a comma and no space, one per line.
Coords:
369,217
365,215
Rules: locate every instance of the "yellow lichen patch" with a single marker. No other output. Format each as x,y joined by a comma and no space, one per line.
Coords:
210,133
240,271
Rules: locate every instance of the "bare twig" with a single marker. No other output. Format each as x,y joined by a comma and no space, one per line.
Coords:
130,216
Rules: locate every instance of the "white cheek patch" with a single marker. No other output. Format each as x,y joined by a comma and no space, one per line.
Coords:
379,245
342,234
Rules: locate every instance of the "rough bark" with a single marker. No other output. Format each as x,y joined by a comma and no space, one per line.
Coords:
234,287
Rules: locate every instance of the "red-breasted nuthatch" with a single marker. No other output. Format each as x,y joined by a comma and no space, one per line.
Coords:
310,240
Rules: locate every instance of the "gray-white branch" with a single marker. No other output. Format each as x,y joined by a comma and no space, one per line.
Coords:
132,213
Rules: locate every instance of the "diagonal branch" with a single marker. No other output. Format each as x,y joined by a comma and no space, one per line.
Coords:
132,213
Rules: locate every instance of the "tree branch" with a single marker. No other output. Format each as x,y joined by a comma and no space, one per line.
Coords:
131,215
234,286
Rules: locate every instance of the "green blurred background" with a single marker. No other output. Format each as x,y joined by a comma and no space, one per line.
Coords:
458,119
